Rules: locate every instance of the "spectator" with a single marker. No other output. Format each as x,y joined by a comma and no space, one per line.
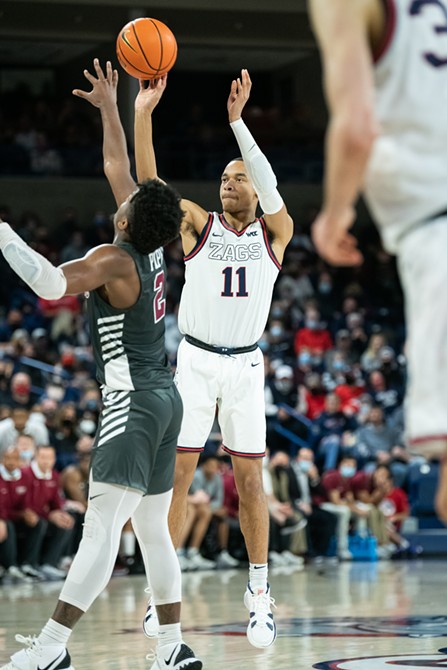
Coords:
340,358
231,504
393,502
341,486
387,397
11,491
321,524
314,336
370,359
312,396
281,395
45,504
21,422
331,431
74,482
287,536
349,388
21,394
27,449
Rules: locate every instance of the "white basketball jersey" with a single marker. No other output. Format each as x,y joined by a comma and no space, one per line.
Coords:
406,181
229,278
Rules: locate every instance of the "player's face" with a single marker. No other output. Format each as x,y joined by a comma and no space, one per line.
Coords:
236,191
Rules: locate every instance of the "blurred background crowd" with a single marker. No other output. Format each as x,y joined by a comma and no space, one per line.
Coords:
338,472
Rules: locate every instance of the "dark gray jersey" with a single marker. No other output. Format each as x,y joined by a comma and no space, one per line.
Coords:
128,344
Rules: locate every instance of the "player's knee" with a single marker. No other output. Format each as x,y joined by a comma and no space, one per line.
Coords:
94,529
250,488
185,466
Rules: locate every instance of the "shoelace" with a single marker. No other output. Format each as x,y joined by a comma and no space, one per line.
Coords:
34,647
262,602
152,656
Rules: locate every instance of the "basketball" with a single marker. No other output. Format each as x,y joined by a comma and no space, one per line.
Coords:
146,48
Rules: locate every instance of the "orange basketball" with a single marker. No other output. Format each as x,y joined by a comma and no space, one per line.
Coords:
146,48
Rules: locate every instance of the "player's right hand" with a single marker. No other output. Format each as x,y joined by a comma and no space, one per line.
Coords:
149,95
332,240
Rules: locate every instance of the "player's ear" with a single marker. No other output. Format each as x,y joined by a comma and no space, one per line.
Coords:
123,224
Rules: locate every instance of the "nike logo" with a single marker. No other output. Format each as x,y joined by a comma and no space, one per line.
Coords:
171,656
217,235
92,498
253,365
52,665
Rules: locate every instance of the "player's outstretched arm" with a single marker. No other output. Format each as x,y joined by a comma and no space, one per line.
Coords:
341,27
116,159
149,96
259,169
100,266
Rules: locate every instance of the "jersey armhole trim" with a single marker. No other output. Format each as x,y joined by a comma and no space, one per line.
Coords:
271,253
201,239
391,20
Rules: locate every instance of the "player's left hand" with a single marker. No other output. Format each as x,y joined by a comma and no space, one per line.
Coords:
239,94
104,85
149,94
332,240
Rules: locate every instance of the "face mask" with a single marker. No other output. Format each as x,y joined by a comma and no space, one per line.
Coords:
55,393
324,287
277,314
347,471
305,466
338,365
304,358
263,345
284,386
312,324
91,405
22,389
27,455
276,331
87,426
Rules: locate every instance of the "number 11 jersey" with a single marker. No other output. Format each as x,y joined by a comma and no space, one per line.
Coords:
229,279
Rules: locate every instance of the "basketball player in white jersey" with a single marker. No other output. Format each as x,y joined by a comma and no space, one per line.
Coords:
385,65
232,261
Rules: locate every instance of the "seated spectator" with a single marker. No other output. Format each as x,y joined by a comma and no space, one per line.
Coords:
321,524
287,535
11,490
45,505
341,486
27,449
331,430
376,444
312,396
21,422
388,397
65,435
355,323
74,482
20,394
340,358
314,336
349,388
280,341
393,502
281,396
204,499
370,359
231,504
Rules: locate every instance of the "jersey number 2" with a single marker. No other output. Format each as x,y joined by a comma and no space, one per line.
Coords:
228,283
159,300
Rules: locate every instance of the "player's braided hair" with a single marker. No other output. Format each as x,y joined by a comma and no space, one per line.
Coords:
154,216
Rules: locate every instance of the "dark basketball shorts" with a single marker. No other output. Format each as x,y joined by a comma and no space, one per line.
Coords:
136,441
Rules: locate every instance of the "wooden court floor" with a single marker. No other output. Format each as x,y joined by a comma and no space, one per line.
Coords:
358,616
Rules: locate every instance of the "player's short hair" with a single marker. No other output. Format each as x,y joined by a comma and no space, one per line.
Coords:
154,216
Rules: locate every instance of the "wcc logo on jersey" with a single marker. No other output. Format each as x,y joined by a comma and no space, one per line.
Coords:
404,662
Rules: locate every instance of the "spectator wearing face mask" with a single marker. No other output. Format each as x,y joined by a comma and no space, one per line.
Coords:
331,430
312,396
314,336
327,296
20,393
281,394
321,524
341,357
350,388
280,341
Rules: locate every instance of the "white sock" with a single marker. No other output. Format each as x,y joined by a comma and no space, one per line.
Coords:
193,551
257,576
169,635
54,634
127,543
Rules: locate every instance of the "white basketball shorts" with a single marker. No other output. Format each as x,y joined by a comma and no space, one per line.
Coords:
235,384
423,271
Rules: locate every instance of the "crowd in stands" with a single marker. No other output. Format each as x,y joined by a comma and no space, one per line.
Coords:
335,378
46,135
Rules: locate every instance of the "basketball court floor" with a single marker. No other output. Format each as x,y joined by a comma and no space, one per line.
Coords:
357,616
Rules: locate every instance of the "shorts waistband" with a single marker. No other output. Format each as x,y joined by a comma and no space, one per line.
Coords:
227,351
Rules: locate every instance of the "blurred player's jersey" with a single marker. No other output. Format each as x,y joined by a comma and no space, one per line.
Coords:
229,278
406,182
